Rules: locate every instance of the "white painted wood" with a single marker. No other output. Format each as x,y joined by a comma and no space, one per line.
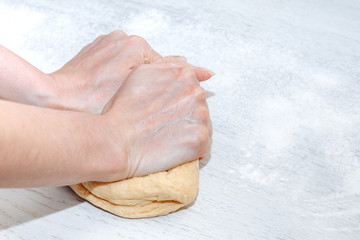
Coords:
285,107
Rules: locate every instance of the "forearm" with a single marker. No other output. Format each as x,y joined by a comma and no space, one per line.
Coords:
21,82
46,147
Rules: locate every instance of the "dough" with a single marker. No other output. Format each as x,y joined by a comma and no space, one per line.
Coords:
149,196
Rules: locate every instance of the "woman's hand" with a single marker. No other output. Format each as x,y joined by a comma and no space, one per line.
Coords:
157,120
92,77
86,83
159,117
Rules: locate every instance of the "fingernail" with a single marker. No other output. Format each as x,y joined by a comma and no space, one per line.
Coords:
207,70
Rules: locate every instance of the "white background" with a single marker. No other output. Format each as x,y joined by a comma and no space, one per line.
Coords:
285,107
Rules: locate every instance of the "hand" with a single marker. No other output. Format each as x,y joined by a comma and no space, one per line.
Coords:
159,117
92,77
85,83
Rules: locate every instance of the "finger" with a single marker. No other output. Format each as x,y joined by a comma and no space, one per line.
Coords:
171,62
172,58
99,38
209,146
206,149
210,127
204,159
119,34
151,56
203,74
91,45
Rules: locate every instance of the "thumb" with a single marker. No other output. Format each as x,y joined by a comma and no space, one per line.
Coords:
202,74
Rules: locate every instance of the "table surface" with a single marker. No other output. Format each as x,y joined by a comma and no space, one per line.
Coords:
285,107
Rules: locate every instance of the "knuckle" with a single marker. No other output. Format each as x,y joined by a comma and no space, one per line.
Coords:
199,94
172,71
188,75
99,38
202,114
114,39
176,71
188,72
200,137
117,34
179,72
134,39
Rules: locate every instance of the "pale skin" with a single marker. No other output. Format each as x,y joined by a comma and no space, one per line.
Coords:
156,116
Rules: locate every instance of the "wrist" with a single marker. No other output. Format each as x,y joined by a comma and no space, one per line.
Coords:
110,157
21,82
70,92
46,94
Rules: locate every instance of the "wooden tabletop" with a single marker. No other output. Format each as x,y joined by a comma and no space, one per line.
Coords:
285,105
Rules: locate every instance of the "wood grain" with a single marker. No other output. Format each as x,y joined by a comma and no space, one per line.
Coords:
285,101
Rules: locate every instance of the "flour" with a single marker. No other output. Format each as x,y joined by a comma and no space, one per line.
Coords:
18,24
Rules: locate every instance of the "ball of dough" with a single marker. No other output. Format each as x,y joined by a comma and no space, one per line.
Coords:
149,196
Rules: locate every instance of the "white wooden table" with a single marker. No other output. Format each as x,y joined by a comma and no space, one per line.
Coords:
285,105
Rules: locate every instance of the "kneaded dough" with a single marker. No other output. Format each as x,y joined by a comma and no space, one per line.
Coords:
149,196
